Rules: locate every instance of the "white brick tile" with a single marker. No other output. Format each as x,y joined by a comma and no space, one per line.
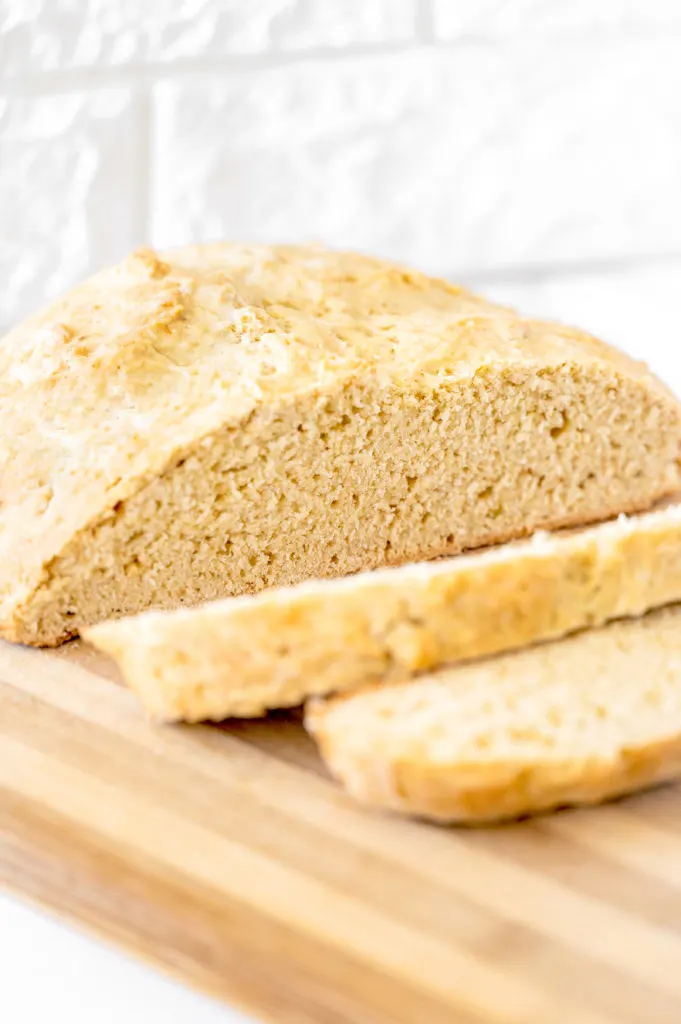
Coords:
454,19
636,309
69,181
40,35
479,157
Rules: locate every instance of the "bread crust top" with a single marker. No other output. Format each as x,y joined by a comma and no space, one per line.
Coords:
112,382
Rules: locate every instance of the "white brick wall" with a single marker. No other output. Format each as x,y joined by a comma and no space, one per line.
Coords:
69,192
457,19
530,147
49,35
478,156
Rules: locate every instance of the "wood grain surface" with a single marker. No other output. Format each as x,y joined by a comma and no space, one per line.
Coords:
227,857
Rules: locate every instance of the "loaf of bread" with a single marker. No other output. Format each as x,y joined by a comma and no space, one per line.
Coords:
576,721
244,655
226,418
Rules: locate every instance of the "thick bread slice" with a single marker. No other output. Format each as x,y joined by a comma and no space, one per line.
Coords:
244,655
227,418
575,721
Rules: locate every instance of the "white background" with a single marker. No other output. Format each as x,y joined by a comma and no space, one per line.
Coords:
51,974
530,148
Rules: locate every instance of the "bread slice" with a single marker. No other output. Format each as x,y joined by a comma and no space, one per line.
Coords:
576,721
244,655
226,418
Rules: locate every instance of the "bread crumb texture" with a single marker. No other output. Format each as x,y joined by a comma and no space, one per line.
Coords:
224,418
575,721
242,656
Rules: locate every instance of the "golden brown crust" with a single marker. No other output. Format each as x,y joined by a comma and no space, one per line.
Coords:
243,656
435,793
577,721
226,418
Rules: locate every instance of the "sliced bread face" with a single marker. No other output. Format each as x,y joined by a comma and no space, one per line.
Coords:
227,418
576,721
242,656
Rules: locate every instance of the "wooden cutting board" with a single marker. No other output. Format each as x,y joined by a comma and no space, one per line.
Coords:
227,857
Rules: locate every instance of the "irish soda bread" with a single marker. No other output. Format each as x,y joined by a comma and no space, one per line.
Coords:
225,418
244,655
575,721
